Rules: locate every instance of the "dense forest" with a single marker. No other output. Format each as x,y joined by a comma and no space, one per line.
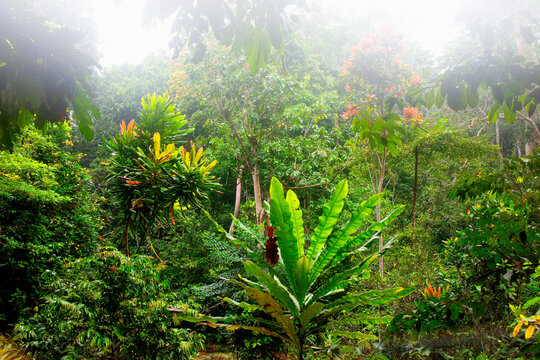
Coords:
289,183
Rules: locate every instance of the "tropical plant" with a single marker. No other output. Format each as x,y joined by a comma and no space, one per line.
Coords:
436,311
107,306
39,79
149,181
301,293
48,216
377,81
501,241
253,27
117,92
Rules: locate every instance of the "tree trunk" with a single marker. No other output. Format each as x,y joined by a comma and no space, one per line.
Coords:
415,188
530,147
378,209
259,213
498,138
238,197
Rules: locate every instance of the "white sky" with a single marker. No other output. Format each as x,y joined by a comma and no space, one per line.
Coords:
124,38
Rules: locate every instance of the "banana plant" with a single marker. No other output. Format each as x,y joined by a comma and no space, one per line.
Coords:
302,294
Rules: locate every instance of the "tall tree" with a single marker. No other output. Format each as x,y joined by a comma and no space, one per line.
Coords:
504,62
378,82
245,107
42,73
252,27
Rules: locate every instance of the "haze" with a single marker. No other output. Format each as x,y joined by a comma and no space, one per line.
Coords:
124,39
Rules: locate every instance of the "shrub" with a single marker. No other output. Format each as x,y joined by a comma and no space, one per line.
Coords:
48,216
107,306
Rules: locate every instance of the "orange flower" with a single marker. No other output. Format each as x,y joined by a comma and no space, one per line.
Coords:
412,115
409,113
352,110
433,292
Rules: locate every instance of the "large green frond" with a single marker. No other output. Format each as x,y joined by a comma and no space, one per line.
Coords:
273,286
296,219
339,241
327,220
280,216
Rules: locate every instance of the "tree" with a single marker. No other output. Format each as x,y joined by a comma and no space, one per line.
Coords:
245,107
379,81
149,180
507,71
252,26
42,73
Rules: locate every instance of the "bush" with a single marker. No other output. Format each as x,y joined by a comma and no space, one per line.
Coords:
107,306
48,217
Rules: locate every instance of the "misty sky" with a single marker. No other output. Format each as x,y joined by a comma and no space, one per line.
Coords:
124,39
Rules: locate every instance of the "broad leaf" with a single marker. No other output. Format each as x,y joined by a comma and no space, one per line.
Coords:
338,241
327,220
275,310
272,285
280,216
297,222
493,114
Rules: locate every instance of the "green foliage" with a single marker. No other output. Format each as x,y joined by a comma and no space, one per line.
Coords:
526,318
48,217
509,74
117,92
505,227
301,294
44,73
253,27
107,306
147,181
435,312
